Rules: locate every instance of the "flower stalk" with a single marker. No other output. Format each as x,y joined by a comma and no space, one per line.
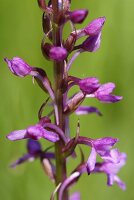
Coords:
54,126
61,170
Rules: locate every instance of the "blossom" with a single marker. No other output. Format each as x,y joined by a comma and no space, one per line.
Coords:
99,147
112,166
91,87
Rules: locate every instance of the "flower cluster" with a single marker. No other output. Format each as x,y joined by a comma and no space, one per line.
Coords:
89,87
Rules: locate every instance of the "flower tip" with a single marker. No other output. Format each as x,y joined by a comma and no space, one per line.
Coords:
6,60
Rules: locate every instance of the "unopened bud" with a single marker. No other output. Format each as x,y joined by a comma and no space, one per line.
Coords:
95,26
18,66
78,16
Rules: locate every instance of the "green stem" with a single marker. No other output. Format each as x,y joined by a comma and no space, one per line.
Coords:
58,73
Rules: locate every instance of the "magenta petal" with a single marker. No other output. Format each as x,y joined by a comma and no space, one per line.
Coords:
109,98
91,160
110,179
17,135
105,89
95,26
50,135
120,183
92,43
21,160
84,110
102,145
35,132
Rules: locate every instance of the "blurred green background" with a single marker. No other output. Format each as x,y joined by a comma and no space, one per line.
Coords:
20,35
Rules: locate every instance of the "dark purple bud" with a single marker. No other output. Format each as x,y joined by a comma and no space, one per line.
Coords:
78,16
18,67
89,85
92,43
84,110
95,26
104,93
58,53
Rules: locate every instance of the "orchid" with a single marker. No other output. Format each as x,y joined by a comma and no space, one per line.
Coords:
54,126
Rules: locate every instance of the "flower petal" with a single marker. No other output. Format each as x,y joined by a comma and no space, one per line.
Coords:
84,110
17,135
91,160
95,26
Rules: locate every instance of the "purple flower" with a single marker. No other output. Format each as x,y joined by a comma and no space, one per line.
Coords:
92,43
78,16
35,132
18,67
58,53
84,110
34,151
103,93
89,85
95,26
112,166
102,147
99,147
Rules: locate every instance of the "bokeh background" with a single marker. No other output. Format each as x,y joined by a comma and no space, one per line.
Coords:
20,35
